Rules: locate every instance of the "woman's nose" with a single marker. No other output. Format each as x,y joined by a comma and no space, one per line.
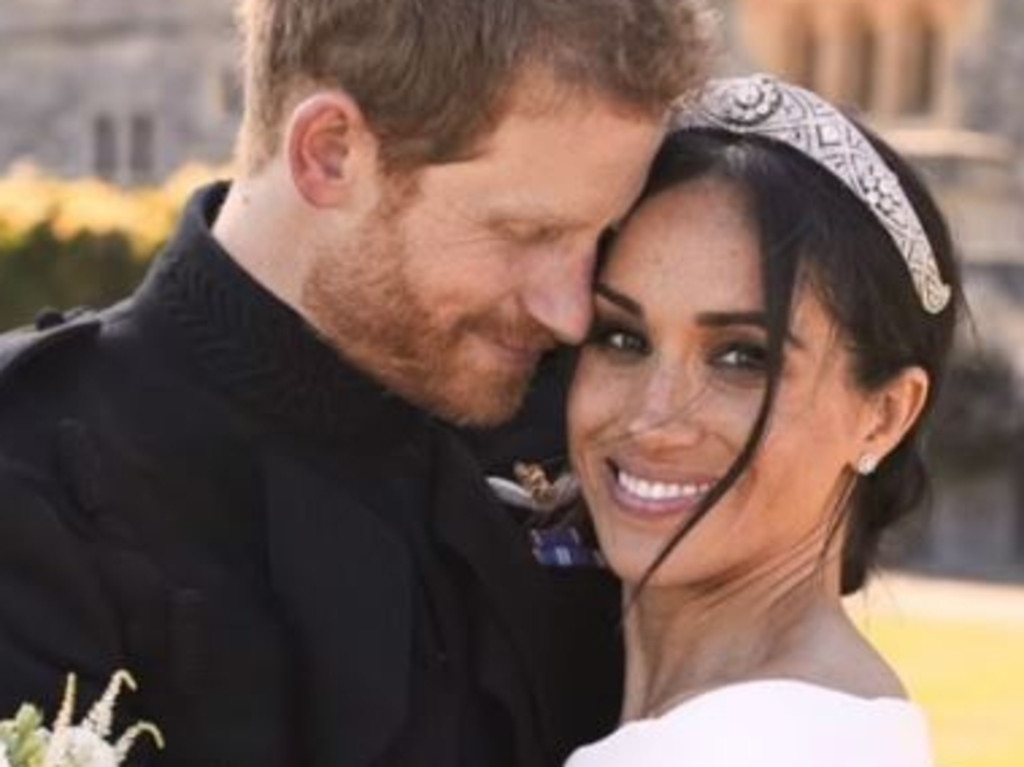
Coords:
669,409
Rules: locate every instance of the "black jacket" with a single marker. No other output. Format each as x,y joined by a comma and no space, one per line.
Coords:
298,567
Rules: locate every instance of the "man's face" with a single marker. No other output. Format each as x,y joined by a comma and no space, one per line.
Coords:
449,295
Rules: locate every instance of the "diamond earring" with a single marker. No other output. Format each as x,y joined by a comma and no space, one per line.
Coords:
867,464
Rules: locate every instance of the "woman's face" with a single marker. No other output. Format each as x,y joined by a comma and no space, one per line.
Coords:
669,385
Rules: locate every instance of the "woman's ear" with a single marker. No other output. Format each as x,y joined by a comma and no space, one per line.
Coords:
329,148
893,411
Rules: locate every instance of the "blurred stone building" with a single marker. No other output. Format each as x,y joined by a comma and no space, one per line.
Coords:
939,78
127,90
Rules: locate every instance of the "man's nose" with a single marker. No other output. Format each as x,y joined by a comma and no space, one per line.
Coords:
557,292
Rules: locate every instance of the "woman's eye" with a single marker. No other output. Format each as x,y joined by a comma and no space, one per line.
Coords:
618,339
745,357
626,342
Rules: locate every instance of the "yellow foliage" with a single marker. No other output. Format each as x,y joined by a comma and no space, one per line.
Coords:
66,243
70,207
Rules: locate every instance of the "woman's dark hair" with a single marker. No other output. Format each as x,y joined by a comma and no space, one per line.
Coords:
810,227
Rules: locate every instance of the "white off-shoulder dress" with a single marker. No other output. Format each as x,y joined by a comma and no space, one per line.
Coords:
770,723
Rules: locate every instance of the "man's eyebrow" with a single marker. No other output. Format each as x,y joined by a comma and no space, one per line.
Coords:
527,212
531,215
619,299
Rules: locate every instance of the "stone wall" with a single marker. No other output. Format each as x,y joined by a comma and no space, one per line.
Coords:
893,59
121,89
991,74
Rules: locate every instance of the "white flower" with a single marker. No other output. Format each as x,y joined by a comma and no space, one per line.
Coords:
25,742
81,747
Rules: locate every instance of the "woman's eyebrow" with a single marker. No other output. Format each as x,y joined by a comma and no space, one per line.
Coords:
756,319
721,319
619,299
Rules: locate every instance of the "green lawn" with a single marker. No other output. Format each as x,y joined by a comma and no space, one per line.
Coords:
969,676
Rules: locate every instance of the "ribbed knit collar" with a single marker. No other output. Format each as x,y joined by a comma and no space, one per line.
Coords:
257,349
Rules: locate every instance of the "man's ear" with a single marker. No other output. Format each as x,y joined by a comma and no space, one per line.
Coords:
329,148
895,409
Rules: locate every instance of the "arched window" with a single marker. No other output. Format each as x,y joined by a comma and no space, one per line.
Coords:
229,87
919,88
863,64
142,149
802,51
104,132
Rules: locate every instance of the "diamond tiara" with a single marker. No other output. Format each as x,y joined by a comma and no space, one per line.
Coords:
763,106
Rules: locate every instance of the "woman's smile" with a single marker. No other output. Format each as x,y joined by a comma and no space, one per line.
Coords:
649,495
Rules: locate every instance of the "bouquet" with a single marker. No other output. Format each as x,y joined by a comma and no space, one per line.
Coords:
26,742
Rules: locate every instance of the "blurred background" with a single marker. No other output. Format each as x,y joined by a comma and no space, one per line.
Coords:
111,111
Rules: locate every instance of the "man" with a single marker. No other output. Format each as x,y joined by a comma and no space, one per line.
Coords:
243,484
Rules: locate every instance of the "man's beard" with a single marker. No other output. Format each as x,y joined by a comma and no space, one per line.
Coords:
360,299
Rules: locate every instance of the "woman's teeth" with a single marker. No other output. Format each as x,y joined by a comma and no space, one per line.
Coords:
649,490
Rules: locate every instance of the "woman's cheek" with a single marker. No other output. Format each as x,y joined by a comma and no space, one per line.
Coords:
588,407
597,396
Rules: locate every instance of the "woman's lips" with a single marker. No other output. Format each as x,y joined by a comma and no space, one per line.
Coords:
647,496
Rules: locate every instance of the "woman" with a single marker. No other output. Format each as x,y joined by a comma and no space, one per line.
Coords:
772,326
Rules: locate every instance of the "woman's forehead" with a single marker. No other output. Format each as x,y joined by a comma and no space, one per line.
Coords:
693,241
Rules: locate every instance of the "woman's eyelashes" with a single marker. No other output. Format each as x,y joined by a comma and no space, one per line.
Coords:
735,358
741,356
617,338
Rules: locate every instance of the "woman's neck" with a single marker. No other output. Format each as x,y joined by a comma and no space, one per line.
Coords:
681,641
